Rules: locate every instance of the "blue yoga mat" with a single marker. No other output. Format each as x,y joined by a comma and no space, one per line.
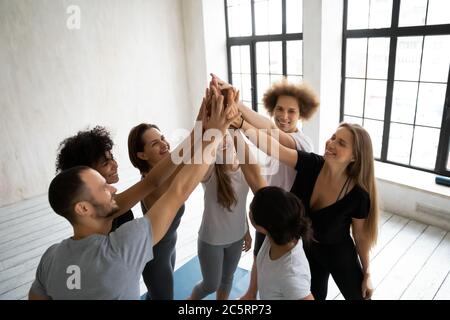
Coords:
188,275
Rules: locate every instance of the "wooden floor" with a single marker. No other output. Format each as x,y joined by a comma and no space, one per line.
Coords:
410,261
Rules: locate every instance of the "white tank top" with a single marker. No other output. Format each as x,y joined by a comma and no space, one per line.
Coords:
220,226
279,174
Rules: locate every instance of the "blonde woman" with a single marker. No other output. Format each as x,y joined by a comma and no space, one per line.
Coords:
339,193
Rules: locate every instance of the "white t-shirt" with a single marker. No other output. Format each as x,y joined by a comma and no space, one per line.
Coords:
286,278
279,174
220,226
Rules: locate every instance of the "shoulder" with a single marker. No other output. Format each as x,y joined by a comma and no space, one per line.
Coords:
309,161
302,141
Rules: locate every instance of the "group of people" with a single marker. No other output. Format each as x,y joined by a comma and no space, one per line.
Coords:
314,215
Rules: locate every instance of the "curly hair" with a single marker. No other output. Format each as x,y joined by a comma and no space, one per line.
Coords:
86,148
282,214
306,98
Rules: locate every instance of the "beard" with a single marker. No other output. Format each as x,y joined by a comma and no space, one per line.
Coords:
106,211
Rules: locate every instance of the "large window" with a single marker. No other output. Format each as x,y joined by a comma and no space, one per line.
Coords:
395,79
264,42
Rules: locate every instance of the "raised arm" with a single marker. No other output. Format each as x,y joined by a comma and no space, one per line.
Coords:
248,164
162,213
157,177
269,145
257,120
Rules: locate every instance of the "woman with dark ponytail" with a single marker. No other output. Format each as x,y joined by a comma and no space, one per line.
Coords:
283,270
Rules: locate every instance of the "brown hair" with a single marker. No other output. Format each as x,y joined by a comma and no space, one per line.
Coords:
136,144
307,100
225,193
362,172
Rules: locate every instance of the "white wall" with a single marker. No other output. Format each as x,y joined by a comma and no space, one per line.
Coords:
124,66
322,51
206,51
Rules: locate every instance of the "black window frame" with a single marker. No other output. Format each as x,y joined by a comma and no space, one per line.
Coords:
393,32
251,42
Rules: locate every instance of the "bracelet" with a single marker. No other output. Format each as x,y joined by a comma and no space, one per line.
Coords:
242,122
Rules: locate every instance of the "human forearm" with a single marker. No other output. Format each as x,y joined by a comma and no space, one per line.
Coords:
363,250
254,118
248,164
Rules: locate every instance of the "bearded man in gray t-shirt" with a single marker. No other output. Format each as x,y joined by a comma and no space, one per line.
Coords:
96,264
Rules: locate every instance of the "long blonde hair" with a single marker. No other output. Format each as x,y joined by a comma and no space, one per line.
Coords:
362,173
225,192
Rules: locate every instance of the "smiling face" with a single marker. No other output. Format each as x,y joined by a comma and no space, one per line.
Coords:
101,195
286,113
107,167
339,148
155,147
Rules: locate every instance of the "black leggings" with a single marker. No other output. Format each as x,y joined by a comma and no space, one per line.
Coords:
158,272
339,260
259,239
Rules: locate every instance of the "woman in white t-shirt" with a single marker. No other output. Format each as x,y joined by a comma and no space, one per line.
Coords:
283,270
287,104
224,229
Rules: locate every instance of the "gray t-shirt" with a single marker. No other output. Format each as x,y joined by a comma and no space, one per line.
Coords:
98,266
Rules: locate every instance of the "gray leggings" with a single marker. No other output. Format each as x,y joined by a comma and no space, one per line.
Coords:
218,264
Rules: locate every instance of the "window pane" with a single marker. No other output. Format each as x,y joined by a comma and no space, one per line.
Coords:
375,99
276,57
355,65
448,156
350,119
236,81
245,59
438,12
246,92
425,147
268,17
294,57
400,138
380,14
358,14
412,13
235,59
261,17
275,78
263,111
407,62
262,57
275,18
436,59
375,129
240,59
263,83
295,79
294,16
378,58
404,101
354,97
239,18
430,105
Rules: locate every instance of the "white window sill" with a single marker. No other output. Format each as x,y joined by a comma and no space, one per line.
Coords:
410,177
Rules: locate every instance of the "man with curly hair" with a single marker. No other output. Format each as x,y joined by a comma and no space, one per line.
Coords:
92,148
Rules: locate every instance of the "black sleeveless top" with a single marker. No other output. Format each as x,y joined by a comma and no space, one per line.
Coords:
331,224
